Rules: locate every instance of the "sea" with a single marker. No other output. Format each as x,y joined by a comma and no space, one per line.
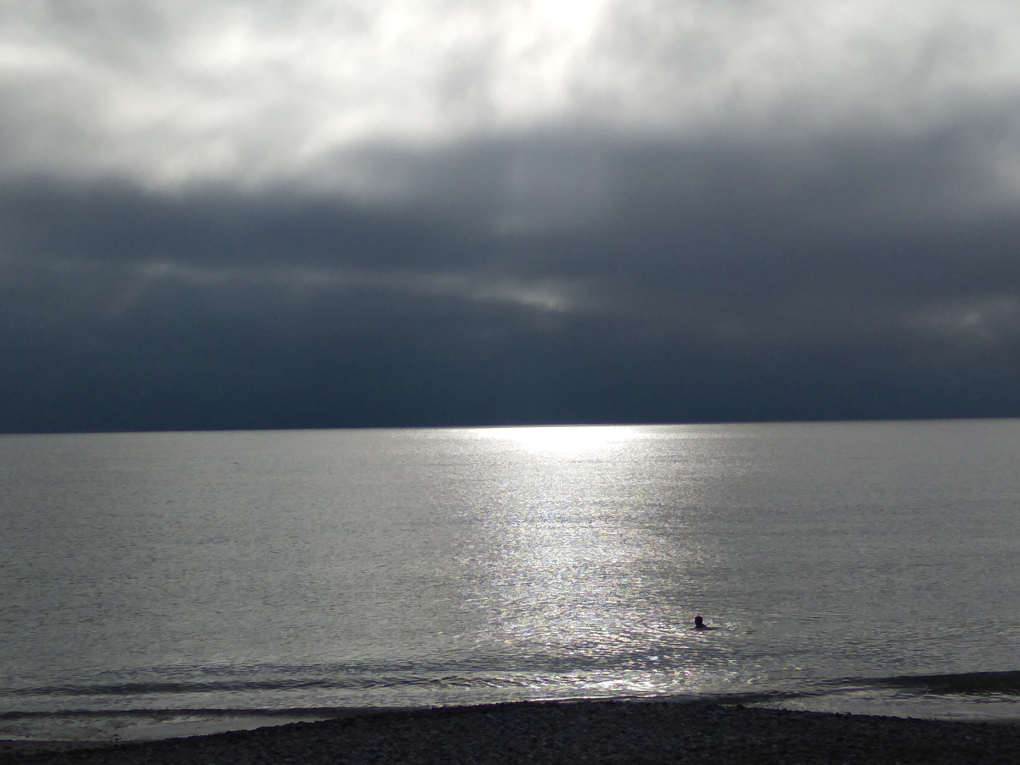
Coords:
161,584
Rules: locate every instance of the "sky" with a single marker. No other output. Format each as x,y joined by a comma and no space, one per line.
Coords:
358,213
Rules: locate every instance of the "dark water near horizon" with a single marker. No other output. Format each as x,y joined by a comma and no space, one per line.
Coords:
161,578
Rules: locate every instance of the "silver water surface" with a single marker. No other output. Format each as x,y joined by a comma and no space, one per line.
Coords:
278,570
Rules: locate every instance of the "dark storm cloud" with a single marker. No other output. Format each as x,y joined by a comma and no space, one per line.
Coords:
315,214
713,282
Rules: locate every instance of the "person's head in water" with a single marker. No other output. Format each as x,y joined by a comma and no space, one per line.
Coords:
699,623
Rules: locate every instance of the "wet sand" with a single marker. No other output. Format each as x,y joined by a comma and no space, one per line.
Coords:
591,732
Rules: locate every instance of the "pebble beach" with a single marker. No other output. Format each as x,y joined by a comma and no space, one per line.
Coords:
567,732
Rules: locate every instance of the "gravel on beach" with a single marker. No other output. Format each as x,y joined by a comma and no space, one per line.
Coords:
574,732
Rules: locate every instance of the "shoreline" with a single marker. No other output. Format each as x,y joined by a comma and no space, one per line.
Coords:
559,732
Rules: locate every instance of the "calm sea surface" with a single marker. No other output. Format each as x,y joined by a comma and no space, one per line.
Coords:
153,580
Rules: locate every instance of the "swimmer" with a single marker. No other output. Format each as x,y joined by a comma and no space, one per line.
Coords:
699,624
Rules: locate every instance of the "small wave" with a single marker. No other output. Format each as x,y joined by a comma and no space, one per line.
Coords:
164,688
169,714
969,683
344,683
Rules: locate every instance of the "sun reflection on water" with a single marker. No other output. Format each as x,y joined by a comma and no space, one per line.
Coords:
566,440
595,564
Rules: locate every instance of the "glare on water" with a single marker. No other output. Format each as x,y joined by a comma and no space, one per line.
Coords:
589,441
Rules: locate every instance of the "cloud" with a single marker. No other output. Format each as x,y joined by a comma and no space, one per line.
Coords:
277,214
248,94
